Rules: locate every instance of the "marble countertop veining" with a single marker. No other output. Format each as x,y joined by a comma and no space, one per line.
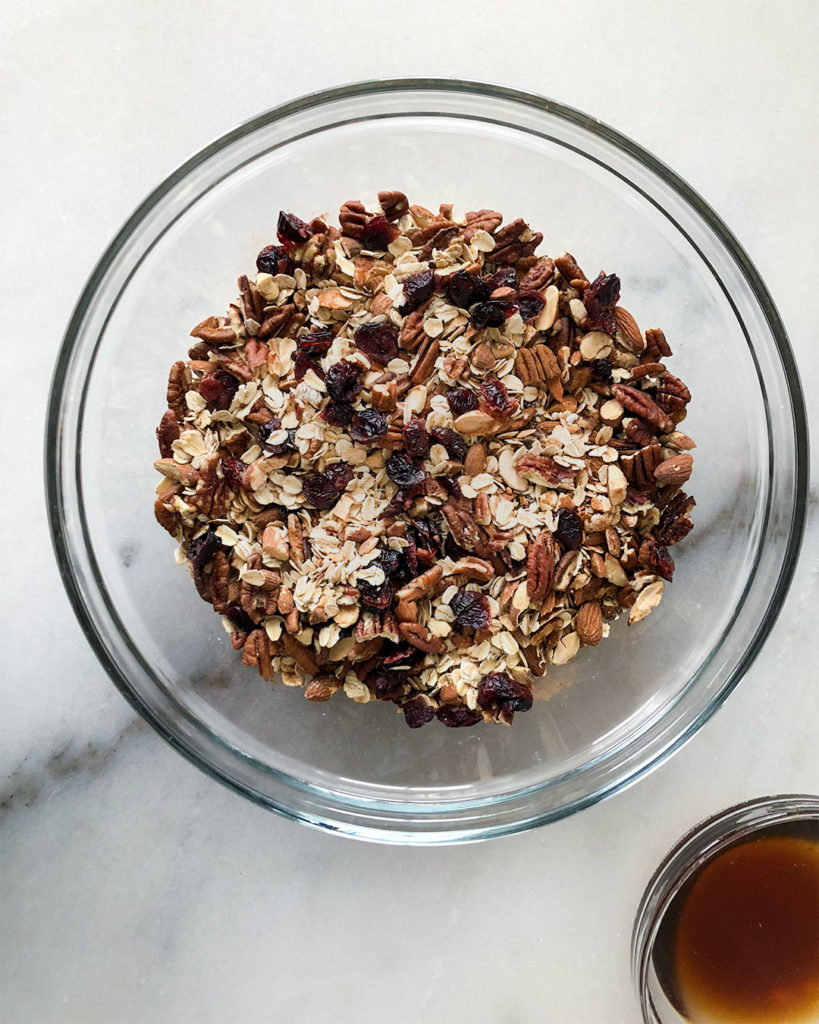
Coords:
135,889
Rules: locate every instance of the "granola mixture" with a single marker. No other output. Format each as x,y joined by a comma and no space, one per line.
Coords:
417,462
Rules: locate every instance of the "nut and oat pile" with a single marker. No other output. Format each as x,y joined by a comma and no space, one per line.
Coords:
417,462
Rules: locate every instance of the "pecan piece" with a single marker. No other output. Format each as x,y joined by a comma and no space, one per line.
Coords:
166,433
675,522
353,217
639,467
538,276
180,473
544,469
422,585
540,567
321,688
419,636
481,220
303,656
167,517
280,316
656,345
643,406
412,332
394,204
570,271
295,539
178,381
214,332
467,533
473,569
425,360
514,241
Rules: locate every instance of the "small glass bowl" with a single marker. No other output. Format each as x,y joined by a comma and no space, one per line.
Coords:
701,844
599,722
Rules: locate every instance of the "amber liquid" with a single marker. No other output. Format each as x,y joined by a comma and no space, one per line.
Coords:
740,942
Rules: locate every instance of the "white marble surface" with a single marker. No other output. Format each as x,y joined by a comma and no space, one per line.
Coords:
136,889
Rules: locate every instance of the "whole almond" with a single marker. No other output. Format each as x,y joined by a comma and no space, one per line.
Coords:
475,461
674,471
589,624
628,329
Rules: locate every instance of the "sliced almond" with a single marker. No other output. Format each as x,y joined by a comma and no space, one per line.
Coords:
617,485
508,470
595,345
565,649
614,572
549,312
475,422
647,601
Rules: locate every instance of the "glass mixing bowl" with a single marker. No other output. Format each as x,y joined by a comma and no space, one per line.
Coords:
602,720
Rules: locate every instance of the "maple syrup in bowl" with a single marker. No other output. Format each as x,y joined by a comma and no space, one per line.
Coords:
728,929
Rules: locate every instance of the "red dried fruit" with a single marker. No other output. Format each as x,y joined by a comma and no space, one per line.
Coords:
218,389
200,550
417,289
233,471
379,598
377,234
273,259
368,425
457,716
600,298
529,305
277,447
427,537
339,475
385,684
317,343
456,447
497,400
338,414
656,557
344,381
322,490
489,314
461,400
417,712
498,690
465,289
503,278
303,363
379,342
240,619
601,371
569,529
471,609
403,472
291,228
416,438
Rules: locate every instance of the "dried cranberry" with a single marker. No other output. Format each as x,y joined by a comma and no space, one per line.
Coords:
489,314
377,233
385,684
417,289
389,561
401,657
200,551
496,397
322,490
529,305
339,475
503,278
450,484
240,619
338,414
461,400
379,342
402,500
427,537
456,447
277,447
569,529
656,557
600,298
416,438
233,470
417,712
291,229
379,598
274,260
304,363
457,716
497,690
344,381
601,371
403,472
218,389
317,343
465,289
368,425
471,609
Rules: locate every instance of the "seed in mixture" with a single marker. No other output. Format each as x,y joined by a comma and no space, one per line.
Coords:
419,463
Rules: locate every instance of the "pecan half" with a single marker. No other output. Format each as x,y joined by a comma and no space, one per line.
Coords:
422,585
540,567
425,360
178,381
481,220
675,522
166,433
538,276
302,655
643,406
419,636
394,204
467,533
546,470
514,241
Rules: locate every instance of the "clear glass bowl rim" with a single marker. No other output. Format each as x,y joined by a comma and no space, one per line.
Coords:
689,853
376,825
